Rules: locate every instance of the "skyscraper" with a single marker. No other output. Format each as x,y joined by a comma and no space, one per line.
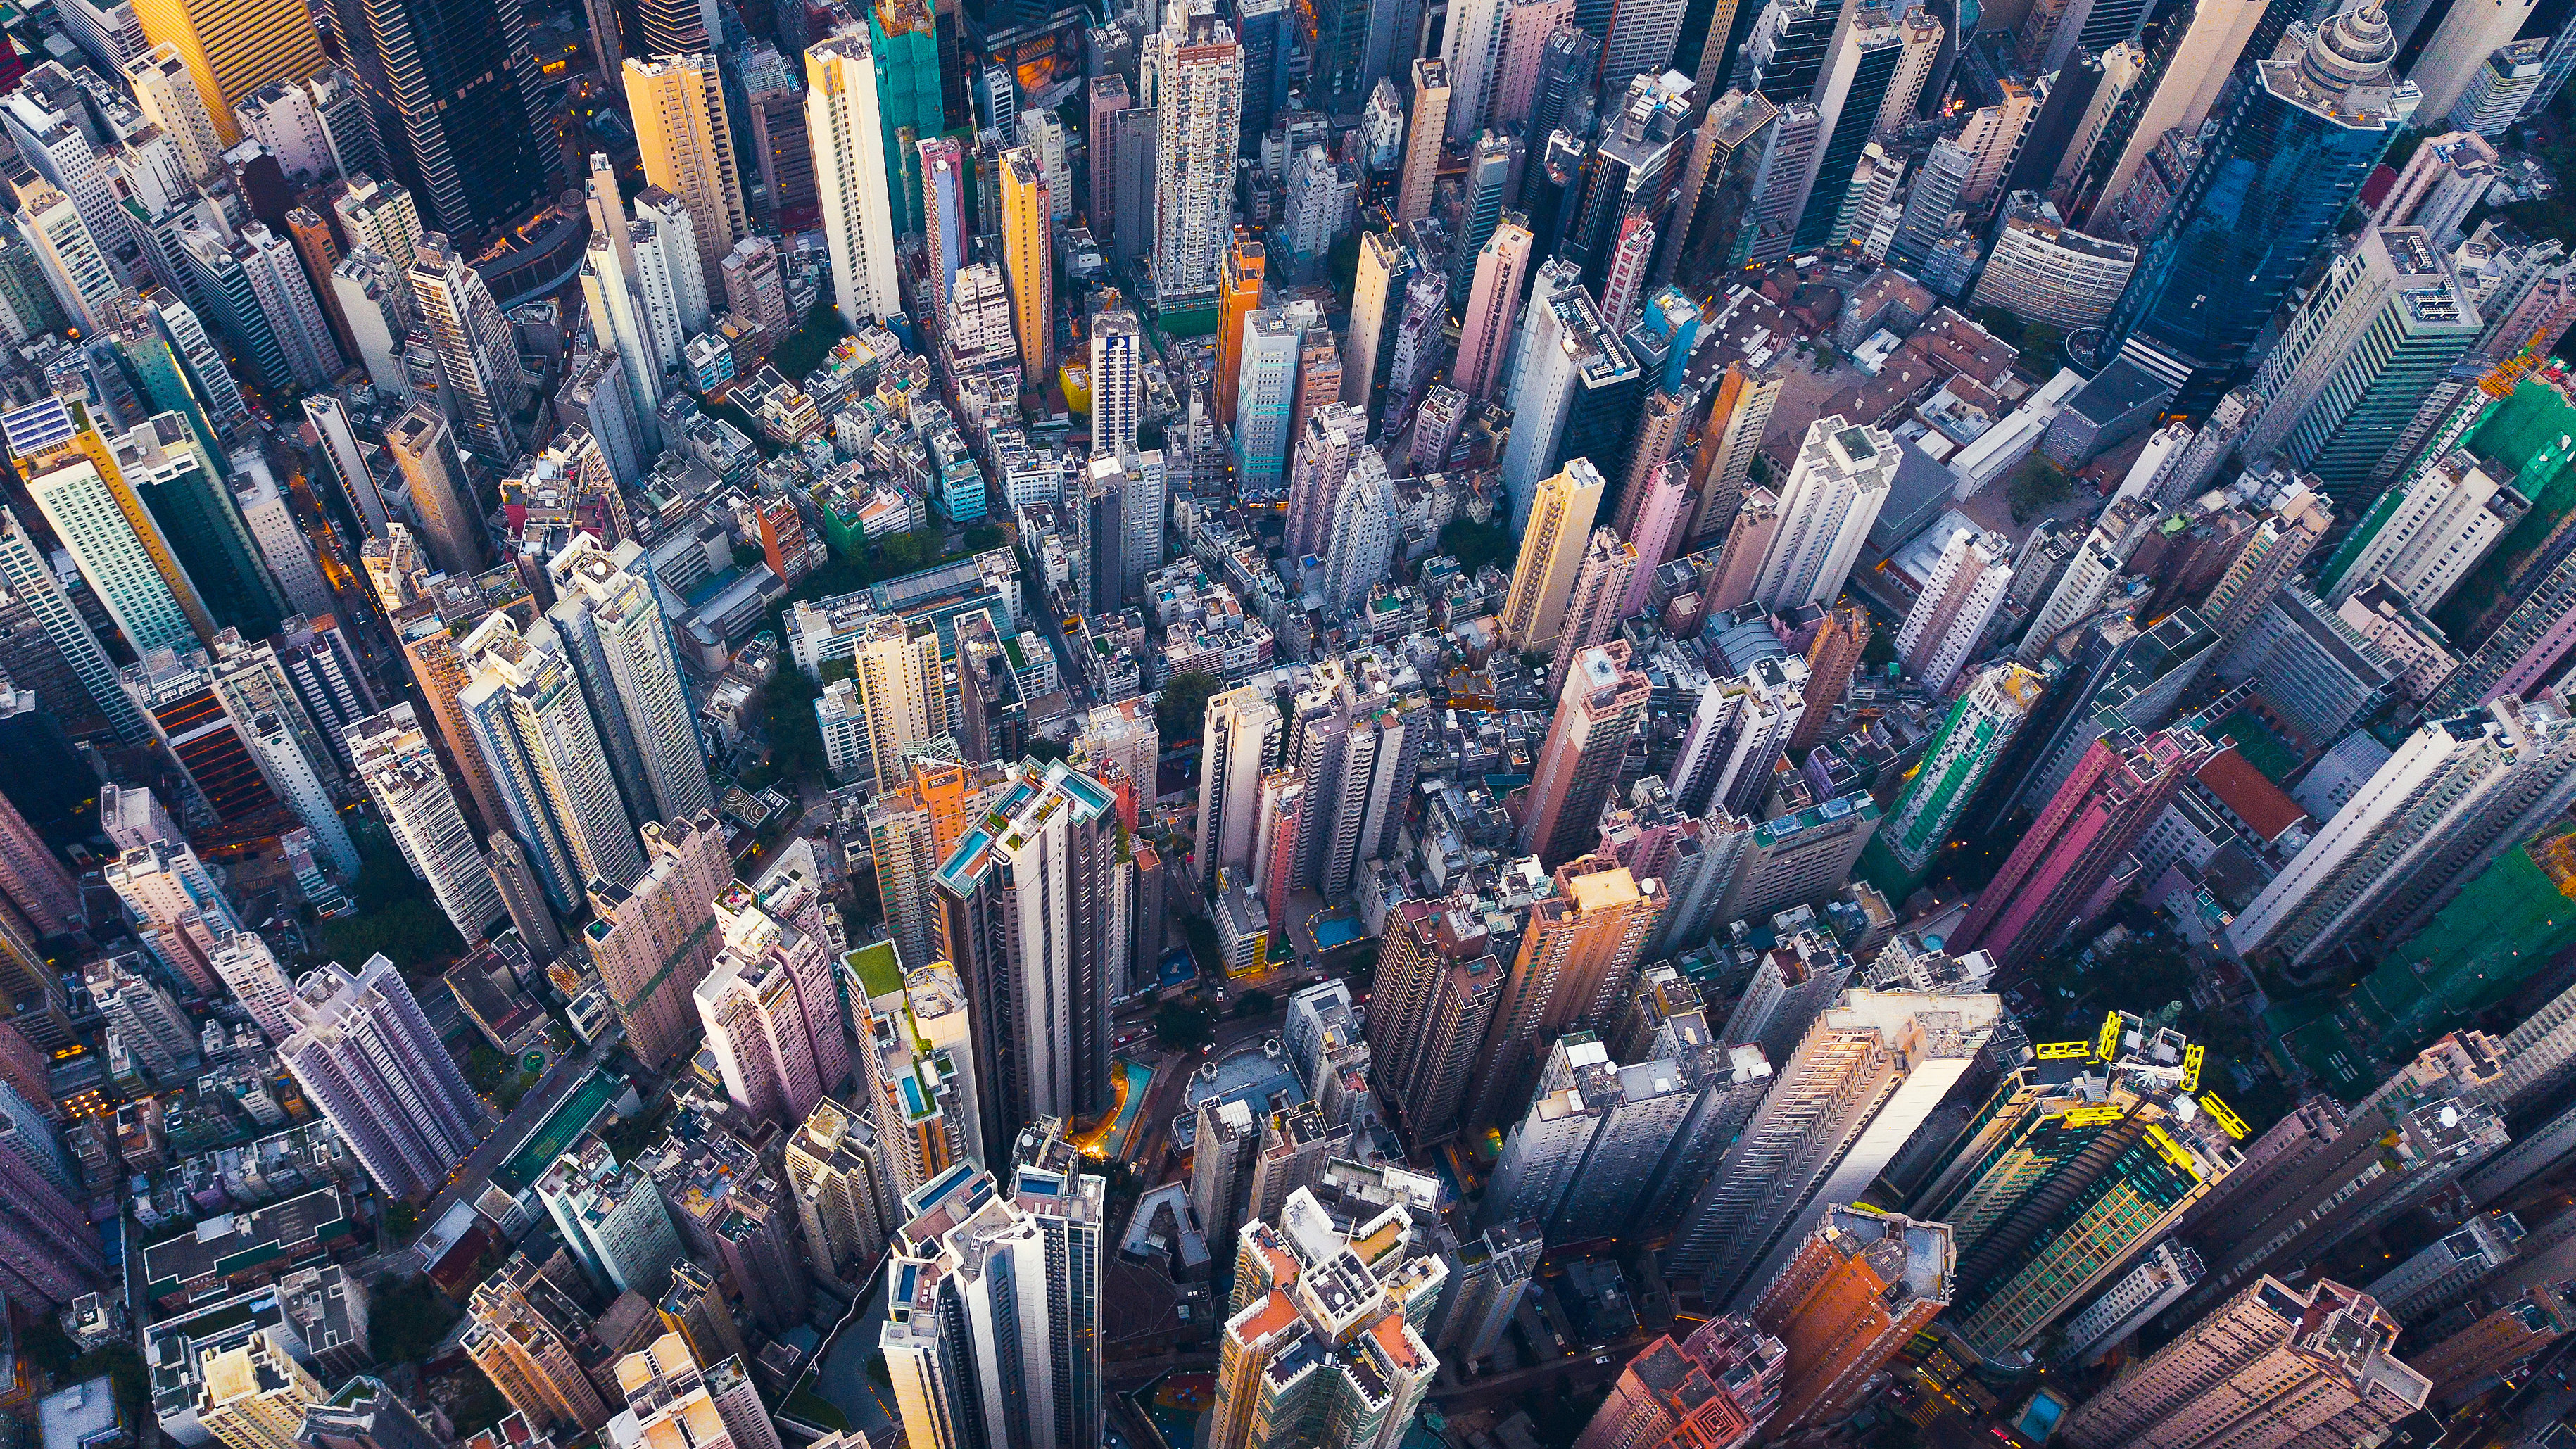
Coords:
233,50
653,942
1980,726
678,104
453,91
612,1219
1028,258
1559,523
1001,1328
1117,386
1572,388
119,548
1265,405
478,359
621,645
1492,307
253,1395
402,775
840,1196
527,712
1860,1286
853,175
2120,785
1958,601
1858,1086
1832,497
1241,742
1719,1388
366,1056
33,880
771,1002
1580,762
1238,296
27,574
2321,1352
1422,142
2305,134
1192,77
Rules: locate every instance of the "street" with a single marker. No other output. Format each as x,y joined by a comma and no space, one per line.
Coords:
466,1184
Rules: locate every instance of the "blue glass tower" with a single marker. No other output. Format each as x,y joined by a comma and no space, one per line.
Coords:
2291,154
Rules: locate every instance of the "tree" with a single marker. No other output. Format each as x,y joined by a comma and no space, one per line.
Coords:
1204,945
787,718
1180,711
2001,325
2041,348
981,536
1475,545
1181,1026
1045,750
2037,486
406,1321
1253,1003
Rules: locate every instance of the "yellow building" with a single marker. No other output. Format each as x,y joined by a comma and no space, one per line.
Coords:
234,47
1560,521
1028,259
678,105
254,1396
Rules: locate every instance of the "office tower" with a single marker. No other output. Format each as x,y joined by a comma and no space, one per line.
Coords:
771,1005
285,296
366,1056
1192,78
200,521
526,1336
1580,762
1266,396
231,51
1979,728
2312,128
1117,385
2321,1353
653,943
612,1219
1429,122
478,359
1860,1286
2358,358
1826,508
1958,601
1001,1328
1560,523
1854,84
393,759
2119,786
1041,1021
1028,259
2423,537
2132,1301
528,715
363,289
620,644
1492,307
1238,295
1242,738
840,1198
1573,389
678,104
1277,1386
2500,91
1363,538
2452,797
1859,1084
453,95
2448,62
853,176
2070,1169
33,880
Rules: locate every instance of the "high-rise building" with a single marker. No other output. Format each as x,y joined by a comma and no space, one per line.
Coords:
1242,741
2119,786
1439,983
33,880
1028,258
1001,1328
2422,537
2072,1168
1118,388
1832,658
1859,1084
2311,126
1266,396
1719,1388
1860,1286
771,1001
1559,524
612,1219
1191,71
478,358
454,95
1573,387
1042,1046
1238,296
654,942
1959,599
671,1395
231,51
611,618
854,178
528,1336
1833,495
2457,793
832,1164
1492,308
2322,1354
27,574
534,728
364,1414
917,1073
1422,143
402,775
678,105
1972,738
367,1057
1858,78
1362,545
253,1395
1575,970
1592,605
95,513
1603,699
